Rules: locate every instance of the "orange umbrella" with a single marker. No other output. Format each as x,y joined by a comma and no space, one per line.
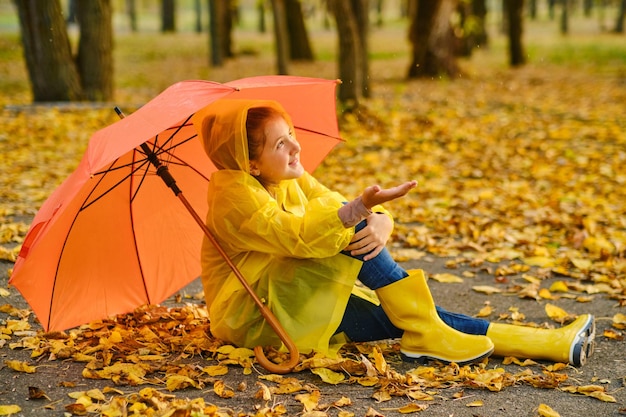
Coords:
112,237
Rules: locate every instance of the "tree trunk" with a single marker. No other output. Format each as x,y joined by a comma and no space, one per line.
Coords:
564,26
95,56
515,19
349,53
532,9
621,15
197,5
260,7
432,40
51,69
168,16
281,36
217,10
472,16
361,14
479,10
299,45
131,10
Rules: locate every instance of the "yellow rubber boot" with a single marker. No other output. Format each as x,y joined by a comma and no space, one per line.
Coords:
572,344
410,307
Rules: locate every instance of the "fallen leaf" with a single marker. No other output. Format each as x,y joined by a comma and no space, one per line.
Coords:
486,289
545,411
7,410
328,376
447,278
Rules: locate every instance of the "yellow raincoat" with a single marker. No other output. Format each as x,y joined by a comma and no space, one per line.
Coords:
285,243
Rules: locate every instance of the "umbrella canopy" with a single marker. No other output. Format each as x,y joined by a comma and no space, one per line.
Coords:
113,237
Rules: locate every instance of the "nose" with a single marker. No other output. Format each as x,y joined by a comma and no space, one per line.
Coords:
295,146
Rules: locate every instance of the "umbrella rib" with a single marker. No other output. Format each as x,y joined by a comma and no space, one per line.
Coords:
132,222
185,123
141,165
319,133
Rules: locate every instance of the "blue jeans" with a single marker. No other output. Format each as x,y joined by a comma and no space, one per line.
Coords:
365,322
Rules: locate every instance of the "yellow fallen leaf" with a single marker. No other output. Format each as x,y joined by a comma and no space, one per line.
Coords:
178,382
619,321
556,313
7,410
263,392
379,361
241,353
485,311
419,395
328,376
447,278
367,381
612,334
582,263
486,289
412,408
95,394
215,370
595,391
342,402
598,245
309,400
546,411
220,389
559,286
381,396
546,294
477,403
540,261
115,337
20,366
76,409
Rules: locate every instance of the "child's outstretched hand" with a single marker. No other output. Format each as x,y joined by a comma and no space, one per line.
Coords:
375,195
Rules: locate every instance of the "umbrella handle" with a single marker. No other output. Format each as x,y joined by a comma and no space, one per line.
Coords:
294,355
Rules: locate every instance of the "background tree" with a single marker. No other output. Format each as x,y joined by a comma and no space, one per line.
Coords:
281,36
564,22
432,39
349,54
53,72
94,59
471,27
361,10
131,11
299,44
515,18
168,16
621,15
220,27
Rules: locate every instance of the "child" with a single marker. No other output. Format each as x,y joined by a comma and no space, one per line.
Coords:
302,248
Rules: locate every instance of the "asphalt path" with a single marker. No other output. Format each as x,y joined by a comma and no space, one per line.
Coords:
607,367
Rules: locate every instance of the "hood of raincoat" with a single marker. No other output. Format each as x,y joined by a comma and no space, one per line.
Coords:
222,128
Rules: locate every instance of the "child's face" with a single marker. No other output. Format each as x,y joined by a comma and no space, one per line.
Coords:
280,158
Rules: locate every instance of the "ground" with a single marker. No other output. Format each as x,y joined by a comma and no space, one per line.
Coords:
607,368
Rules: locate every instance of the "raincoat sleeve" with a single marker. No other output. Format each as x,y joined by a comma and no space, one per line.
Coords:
301,222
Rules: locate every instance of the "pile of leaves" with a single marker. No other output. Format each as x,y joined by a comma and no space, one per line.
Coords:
162,350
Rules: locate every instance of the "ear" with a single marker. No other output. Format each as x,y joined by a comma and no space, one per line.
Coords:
254,170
